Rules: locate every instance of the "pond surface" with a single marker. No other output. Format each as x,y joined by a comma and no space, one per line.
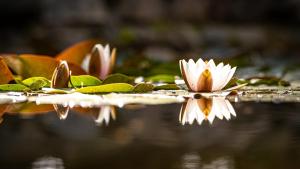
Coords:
260,135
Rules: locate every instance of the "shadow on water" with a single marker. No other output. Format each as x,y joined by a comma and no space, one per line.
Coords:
200,133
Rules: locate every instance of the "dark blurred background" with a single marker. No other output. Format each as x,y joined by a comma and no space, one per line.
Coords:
159,29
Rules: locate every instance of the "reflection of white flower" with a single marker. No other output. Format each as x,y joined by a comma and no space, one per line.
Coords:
104,115
205,109
100,62
205,76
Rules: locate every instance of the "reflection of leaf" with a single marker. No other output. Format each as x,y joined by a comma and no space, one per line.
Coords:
36,65
143,88
118,78
5,74
13,87
167,87
30,108
35,83
84,80
164,78
107,88
77,52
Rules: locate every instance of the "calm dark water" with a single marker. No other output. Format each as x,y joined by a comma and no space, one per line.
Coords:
262,135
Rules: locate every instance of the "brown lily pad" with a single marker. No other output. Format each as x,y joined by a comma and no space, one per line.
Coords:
76,53
29,65
5,74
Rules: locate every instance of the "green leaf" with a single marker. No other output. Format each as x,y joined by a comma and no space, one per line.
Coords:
36,83
56,91
118,78
13,87
167,87
164,78
107,88
84,80
143,88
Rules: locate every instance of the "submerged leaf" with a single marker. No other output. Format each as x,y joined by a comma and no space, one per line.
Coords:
35,83
143,88
84,80
167,87
76,53
164,78
5,75
107,88
13,87
118,78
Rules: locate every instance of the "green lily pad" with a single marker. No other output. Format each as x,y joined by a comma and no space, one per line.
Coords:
118,78
167,87
107,88
13,87
84,80
56,91
164,78
143,88
36,83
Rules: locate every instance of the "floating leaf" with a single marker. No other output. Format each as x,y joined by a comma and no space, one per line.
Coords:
118,78
13,87
84,80
76,53
5,74
56,91
107,88
164,78
35,83
28,65
143,88
167,87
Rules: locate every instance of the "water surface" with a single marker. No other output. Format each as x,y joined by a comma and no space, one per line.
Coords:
262,135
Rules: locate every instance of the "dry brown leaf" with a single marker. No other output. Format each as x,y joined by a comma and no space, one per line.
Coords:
29,65
5,74
77,52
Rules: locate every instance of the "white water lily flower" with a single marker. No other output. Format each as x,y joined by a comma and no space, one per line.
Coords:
100,62
205,109
104,115
205,76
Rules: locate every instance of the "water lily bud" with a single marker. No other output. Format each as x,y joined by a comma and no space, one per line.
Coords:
102,61
61,76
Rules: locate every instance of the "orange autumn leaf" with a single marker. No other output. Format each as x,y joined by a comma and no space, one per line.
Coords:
5,74
29,65
76,53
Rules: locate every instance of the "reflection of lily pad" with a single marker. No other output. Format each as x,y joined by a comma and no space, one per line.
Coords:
84,80
143,88
13,87
167,87
107,88
164,78
118,78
